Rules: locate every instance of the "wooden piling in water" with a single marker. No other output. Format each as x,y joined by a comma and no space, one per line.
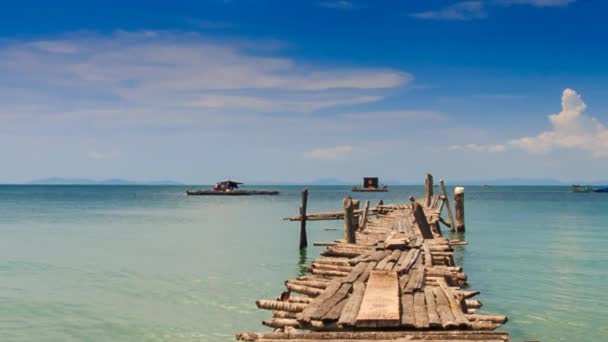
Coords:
459,208
303,237
447,205
428,190
349,225
356,217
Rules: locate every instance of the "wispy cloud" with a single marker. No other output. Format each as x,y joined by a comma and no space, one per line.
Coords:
466,10
339,4
329,153
149,75
536,3
570,129
477,9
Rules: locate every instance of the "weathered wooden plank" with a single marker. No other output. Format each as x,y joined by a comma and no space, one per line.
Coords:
306,315
356,272
431,308
332,301
349,313
407,311
428,258
443,309
380,303
421,316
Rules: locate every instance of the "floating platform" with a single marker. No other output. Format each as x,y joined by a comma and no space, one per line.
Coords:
232,193
380,189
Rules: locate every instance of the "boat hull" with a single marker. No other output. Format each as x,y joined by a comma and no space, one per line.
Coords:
232,193
601,190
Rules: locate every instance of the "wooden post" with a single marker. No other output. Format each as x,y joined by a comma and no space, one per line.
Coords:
356,217
459,208
349,227
447,205
363,220
428,190
303,238
420,217
378,209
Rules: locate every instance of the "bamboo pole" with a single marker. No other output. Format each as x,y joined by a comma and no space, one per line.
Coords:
447,205
459,208
428,190
303,237
349,227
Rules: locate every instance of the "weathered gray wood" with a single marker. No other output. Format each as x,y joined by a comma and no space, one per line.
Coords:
459,208
349,313
421,316
363,220
421,221
428,259
431,307
332,301
349,225
303,237
306,315
443,309
447,205
428,190
356,272
407,311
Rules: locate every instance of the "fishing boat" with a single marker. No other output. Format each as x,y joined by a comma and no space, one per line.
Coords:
229,188
581,188
600,190
370,184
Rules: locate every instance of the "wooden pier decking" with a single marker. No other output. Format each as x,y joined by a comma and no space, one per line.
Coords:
396,281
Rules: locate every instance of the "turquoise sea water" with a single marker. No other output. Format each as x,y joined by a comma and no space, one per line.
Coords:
92,263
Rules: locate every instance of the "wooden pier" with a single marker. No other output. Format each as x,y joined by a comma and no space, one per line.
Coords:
392,278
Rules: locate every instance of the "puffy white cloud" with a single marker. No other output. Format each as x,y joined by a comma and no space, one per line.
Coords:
570,129
329,153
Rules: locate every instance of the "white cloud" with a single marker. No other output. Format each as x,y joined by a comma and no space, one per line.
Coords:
139,75
536,3
480,148
466,10
339,4
329,153
571,129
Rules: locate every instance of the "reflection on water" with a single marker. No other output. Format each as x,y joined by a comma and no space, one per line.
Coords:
303,262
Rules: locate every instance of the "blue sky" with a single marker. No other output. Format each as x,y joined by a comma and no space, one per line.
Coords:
300,90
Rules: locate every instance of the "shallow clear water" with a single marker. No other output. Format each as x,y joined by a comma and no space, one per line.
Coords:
148,263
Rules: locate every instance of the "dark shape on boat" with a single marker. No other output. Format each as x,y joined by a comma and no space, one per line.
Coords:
370,184
229,188
601,190
581,188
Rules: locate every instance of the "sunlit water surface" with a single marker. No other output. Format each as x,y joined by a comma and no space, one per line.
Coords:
148,263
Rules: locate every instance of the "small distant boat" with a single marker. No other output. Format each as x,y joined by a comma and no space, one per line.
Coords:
370,184
581,188
229,188
487,186
601,190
